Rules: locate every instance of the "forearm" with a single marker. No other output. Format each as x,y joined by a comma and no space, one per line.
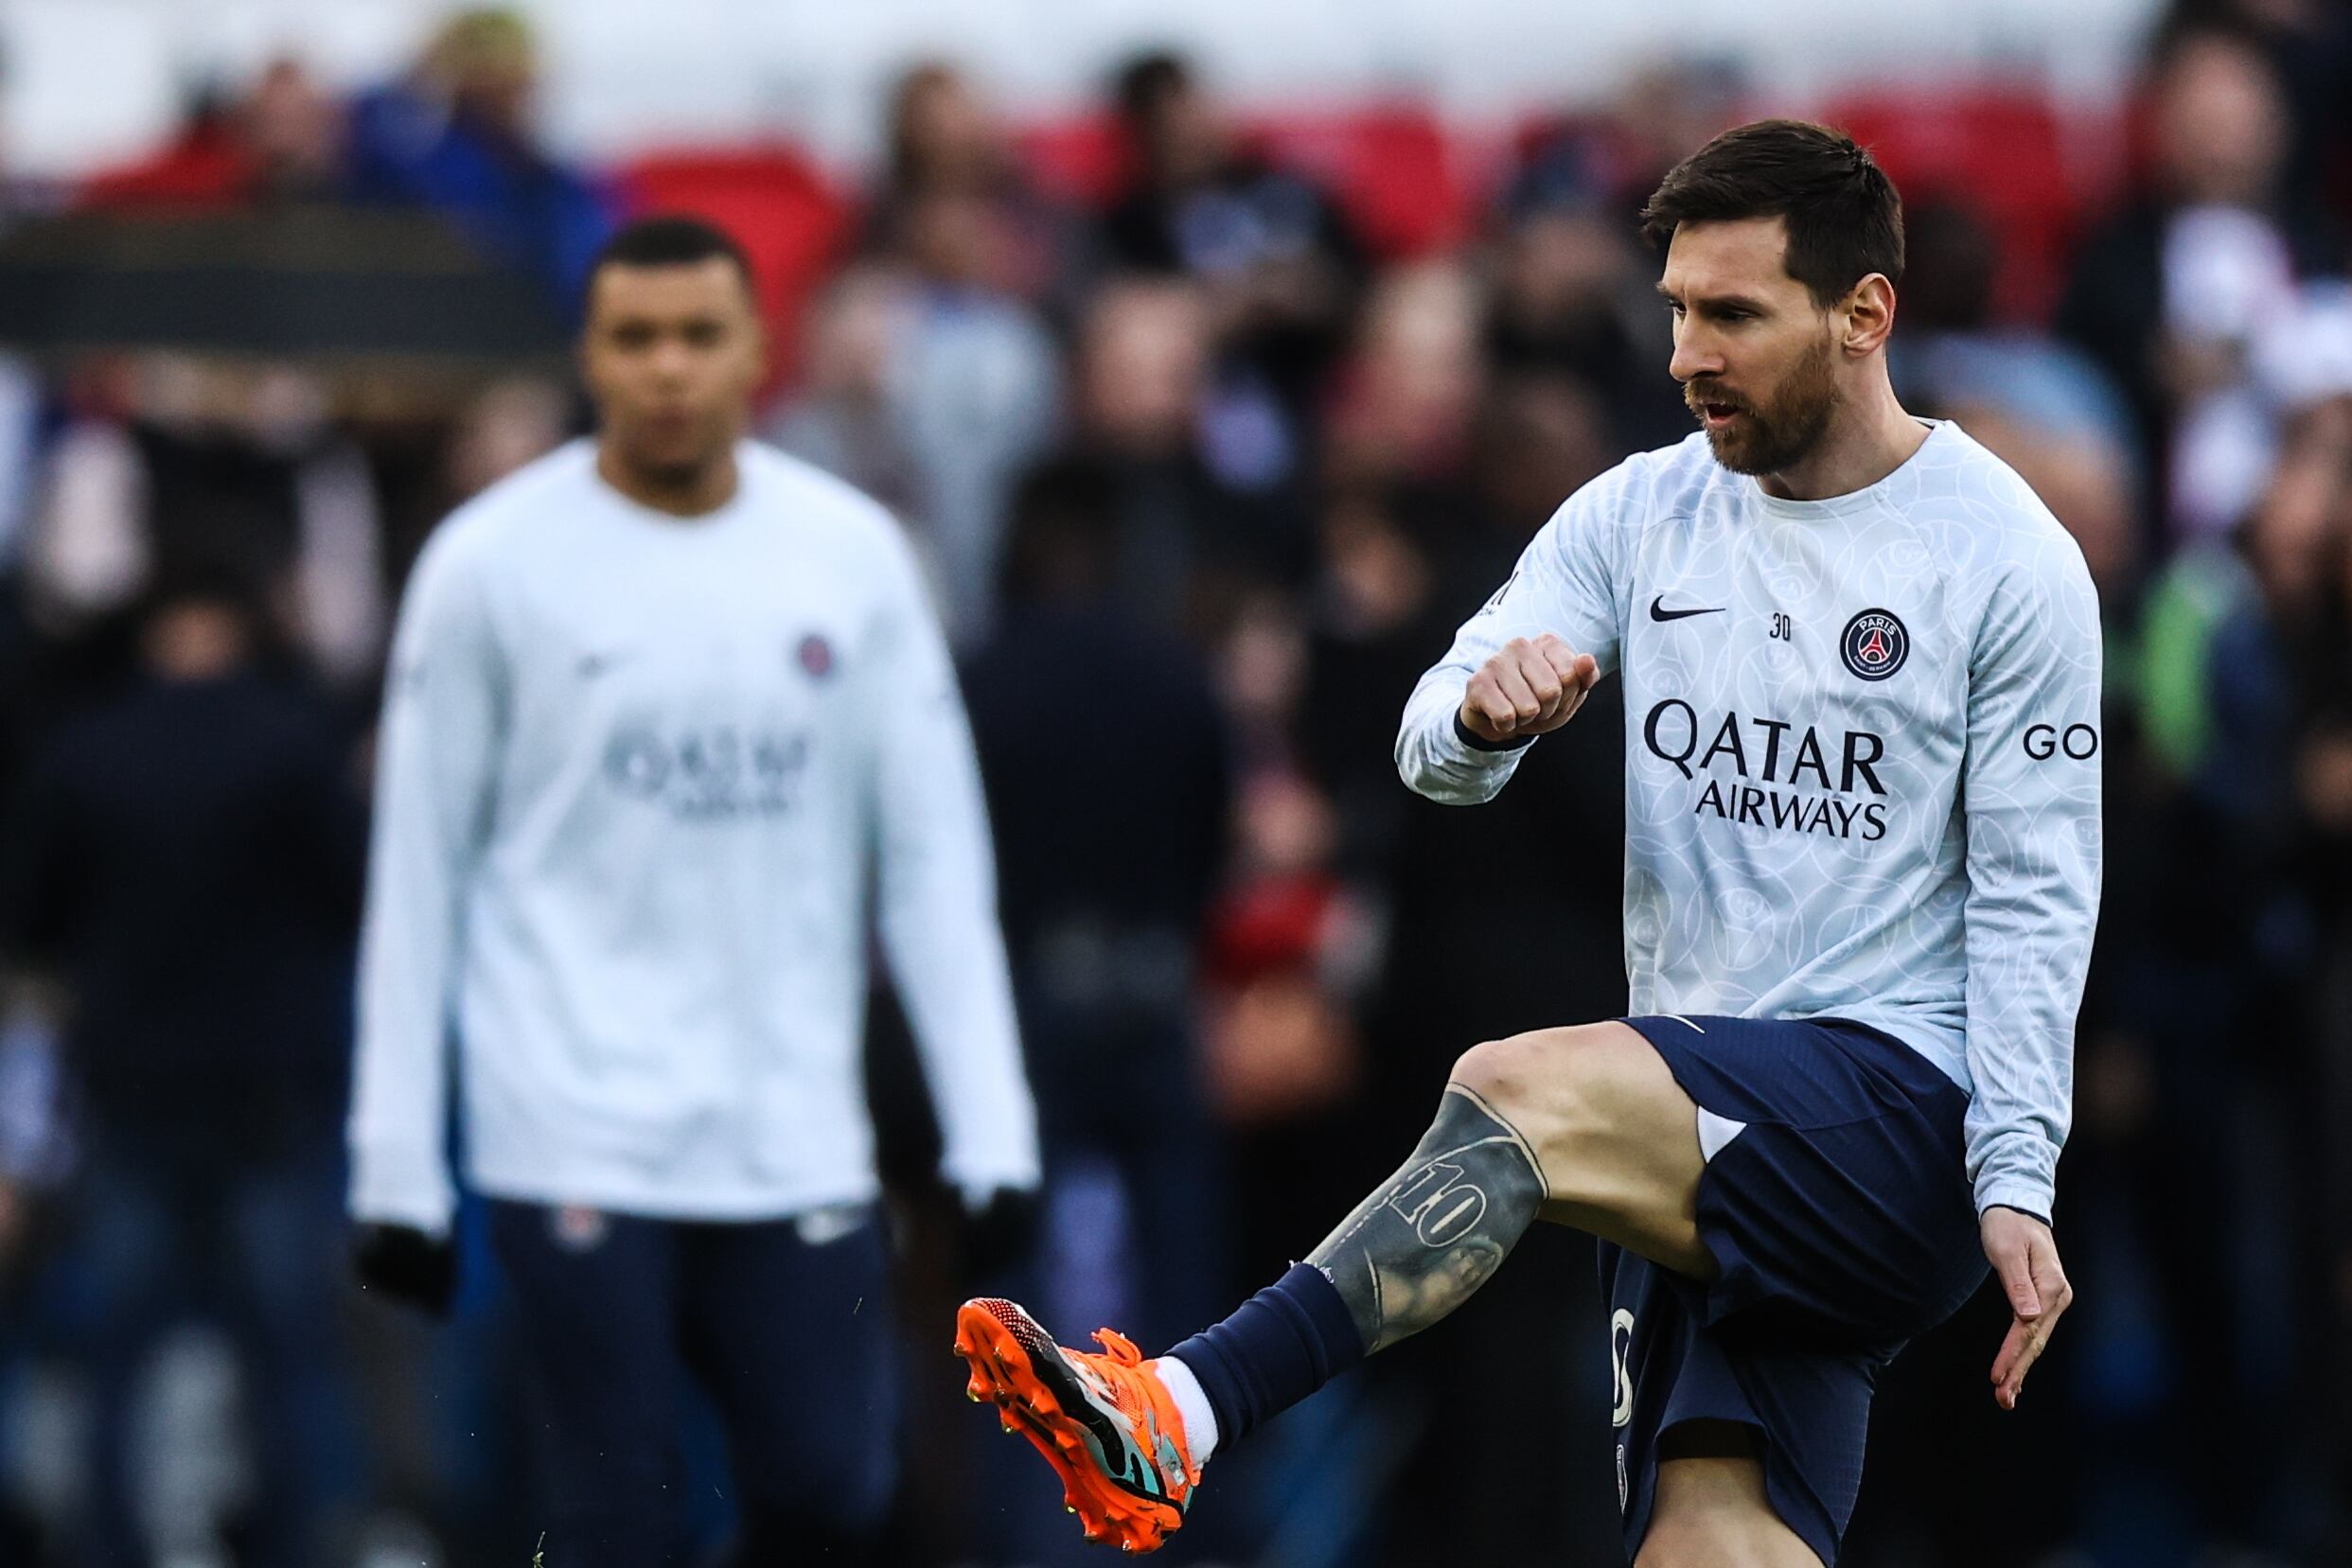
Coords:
2027,957
947,958
1438,757
937,913
400,1098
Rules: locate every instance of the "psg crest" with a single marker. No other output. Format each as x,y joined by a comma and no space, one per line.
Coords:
1875,645
816,656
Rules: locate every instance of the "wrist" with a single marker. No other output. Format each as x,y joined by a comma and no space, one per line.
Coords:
1477,741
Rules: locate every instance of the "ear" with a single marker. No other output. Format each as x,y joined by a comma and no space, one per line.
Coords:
1869,311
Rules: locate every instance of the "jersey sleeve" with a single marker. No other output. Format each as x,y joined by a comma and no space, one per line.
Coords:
2030,791
436,772
936,893
1569,582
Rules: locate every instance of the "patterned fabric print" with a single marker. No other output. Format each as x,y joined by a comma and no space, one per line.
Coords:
1868,789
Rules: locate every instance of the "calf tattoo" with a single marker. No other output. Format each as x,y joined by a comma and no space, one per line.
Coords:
1417,1247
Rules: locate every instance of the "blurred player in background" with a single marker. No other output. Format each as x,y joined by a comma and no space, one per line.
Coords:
661,703
1861,663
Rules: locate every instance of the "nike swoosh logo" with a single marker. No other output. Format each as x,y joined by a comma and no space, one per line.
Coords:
1660,612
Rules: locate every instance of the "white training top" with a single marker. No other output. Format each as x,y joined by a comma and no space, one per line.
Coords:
1862,772
636,772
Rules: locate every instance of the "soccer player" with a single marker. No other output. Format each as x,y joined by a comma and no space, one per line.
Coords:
1861,684
659,704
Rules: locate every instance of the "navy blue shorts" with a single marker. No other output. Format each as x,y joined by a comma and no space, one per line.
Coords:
1837,1208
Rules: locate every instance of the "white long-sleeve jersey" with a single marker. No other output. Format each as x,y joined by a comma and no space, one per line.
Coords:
1863,775
636,775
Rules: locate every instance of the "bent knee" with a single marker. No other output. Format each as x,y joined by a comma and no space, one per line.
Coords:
1582,1079
1501,1072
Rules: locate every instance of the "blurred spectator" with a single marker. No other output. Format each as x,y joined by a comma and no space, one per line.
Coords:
214,458
842,419
2309,42
281,141
935,386
1952,354
2173,296
508,424
455,134
1661,111
186,860
1278,263
1405,405
1192,541
942,139
1572,292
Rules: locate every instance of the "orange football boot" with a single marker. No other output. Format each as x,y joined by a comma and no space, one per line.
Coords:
1105,1421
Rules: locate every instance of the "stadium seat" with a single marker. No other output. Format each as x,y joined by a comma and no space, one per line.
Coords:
1388,165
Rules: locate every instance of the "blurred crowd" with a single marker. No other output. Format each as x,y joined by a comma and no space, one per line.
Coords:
1207,455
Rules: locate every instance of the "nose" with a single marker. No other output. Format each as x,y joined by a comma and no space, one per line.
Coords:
670,359
1695,352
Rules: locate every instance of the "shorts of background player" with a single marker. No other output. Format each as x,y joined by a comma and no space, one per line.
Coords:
1836,1204
785,1323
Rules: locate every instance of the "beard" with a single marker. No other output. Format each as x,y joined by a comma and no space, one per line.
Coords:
1769,439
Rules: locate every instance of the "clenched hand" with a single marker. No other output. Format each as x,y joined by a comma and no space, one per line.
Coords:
1529,688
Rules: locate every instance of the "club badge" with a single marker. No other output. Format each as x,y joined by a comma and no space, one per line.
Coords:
1875,645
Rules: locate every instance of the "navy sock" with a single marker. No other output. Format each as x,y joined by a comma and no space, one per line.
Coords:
1284,1344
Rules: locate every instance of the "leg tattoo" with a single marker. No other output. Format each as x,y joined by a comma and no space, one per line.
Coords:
1417,1247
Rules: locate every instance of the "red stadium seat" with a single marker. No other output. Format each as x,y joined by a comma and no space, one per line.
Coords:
1082,159
204,168
1388,165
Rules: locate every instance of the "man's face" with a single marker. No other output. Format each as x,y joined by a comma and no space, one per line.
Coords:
671,356
1757,357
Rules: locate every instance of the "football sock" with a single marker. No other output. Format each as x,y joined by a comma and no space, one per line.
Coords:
1191,1402
1284,1344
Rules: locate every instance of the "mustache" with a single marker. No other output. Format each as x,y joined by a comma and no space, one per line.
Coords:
1696,393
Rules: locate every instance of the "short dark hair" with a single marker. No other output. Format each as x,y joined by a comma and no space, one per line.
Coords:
671,240
1149,79
1844,217
1059,538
